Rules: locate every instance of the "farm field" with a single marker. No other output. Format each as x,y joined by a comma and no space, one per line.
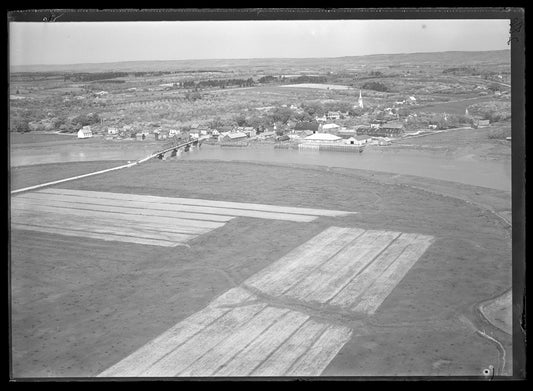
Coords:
318,86
104,290
453,107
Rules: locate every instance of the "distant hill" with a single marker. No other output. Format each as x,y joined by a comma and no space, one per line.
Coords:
452,58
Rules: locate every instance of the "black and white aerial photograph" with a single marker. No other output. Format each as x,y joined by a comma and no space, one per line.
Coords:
261,198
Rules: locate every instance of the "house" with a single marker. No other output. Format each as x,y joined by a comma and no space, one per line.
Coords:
482,123
112,131
345,133
162,135
328,128
392,128
174,132
432,126
235,136
225,129
333,115
322,138
127,128
140,136
321,119
215,133
194,135
358,140
267,134
411,100
85,132
248,130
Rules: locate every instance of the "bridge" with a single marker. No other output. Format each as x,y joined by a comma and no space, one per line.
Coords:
174,148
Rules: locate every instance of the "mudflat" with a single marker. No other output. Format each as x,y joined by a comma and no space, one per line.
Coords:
80,305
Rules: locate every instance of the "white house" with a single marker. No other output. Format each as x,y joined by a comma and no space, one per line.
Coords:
330,127
358,140
112,131
85,132
173,132
322,138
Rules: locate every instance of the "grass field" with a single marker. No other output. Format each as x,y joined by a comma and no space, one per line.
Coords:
80,305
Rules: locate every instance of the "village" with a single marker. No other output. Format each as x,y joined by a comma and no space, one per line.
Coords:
377,127
287,105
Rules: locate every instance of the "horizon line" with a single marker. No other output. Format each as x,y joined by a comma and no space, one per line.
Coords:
253,58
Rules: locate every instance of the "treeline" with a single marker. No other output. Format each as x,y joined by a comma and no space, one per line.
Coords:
94,76
309,79
298,79
461,71
220,83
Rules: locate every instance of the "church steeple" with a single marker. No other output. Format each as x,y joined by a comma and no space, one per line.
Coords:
360,99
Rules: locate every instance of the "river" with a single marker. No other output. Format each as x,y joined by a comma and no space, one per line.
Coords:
494,174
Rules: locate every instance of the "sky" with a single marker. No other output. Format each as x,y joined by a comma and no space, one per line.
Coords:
97,42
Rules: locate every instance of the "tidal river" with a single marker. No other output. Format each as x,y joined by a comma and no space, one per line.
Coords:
495,174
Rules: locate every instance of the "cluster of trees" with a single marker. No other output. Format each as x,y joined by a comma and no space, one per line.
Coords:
27,121
267,79
85,119
422,120
375,86
494,111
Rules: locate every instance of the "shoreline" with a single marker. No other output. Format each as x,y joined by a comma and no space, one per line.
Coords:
498,202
